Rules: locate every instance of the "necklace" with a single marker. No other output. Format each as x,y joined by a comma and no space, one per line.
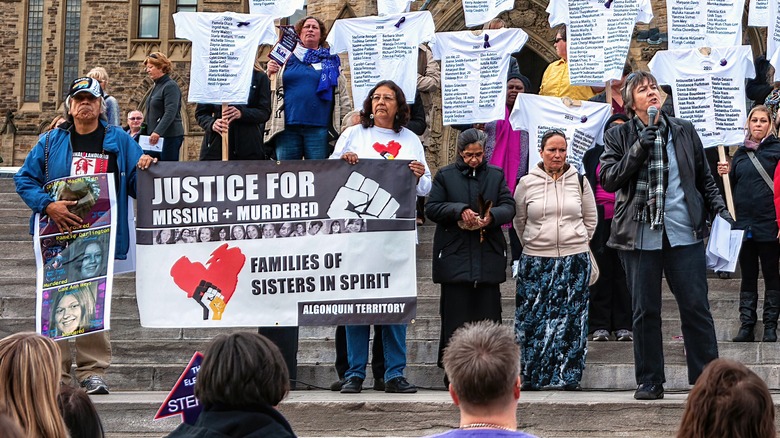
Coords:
486,426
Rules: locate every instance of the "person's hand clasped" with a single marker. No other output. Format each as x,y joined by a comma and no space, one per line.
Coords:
59,213
723,167
417,168
145,161
220,126
350,157
272,68
231,113
647,136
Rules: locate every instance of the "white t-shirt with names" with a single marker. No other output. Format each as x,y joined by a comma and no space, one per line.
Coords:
773,37
704,23
709,91
583,125
224,46
758,13
390,7
382,48
477,12
275,8
473,77
598,35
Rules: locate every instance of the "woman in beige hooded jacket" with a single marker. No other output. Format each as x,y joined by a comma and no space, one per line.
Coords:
556,217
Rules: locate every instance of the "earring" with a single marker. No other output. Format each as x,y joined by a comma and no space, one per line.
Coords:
371,116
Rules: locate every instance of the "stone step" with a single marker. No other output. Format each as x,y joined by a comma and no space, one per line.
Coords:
371,414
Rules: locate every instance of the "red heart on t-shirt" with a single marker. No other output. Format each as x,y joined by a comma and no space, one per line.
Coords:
390,151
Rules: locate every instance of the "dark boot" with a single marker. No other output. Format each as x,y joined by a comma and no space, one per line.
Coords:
748,301
771,311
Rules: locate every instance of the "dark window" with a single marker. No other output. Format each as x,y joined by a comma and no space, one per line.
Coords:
70,61
32,65
149,19
186,5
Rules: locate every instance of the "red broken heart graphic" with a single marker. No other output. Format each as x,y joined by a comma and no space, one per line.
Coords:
222,271
390,151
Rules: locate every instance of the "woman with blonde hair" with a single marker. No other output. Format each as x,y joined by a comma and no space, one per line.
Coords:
112,106
29,382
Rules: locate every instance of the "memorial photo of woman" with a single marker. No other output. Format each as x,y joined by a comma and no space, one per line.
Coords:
335,226
87,257
164,237
73,311
238,233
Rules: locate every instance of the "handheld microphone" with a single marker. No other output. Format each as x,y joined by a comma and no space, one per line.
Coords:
652,112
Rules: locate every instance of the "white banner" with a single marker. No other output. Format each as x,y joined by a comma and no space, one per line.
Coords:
598,35
224,46
704,23
382,48
75,270
312,242
477,12
275,8
474,69
758,13
708,90
583,124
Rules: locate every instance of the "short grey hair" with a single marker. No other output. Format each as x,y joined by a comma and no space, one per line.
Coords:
634,80
469,136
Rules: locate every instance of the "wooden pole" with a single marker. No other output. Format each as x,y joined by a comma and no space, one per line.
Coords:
224,135
726,183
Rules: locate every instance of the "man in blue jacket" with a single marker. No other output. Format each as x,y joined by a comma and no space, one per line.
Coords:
85,144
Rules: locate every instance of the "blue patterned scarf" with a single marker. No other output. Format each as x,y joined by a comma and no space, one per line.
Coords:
329,75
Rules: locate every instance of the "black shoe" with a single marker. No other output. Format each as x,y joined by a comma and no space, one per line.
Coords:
649,391
745,334
379,384
572,387
400,385
336,386
353,385
770,334
94,385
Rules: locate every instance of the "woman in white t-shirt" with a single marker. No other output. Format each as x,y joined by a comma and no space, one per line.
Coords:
381,135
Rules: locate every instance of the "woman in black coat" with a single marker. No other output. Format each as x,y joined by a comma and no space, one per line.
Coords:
246,123
755,213
469,248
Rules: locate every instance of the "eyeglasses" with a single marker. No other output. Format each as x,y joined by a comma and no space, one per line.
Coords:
153,55
558,40
386,97
135,118
470,155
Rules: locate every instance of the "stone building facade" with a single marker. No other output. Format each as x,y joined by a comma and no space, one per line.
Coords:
47,43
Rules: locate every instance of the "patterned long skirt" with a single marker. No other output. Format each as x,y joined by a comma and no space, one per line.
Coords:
551,320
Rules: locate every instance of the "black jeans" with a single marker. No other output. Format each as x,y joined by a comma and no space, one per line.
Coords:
686,272
765,253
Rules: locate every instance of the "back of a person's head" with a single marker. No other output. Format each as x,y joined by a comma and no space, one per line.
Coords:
728,400
79,413
241,370
482,362
29,381
9,428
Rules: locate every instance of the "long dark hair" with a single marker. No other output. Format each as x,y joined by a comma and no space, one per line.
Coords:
401,115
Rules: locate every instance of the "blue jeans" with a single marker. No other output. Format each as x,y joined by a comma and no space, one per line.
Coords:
170,151
299,141
394,340
686,272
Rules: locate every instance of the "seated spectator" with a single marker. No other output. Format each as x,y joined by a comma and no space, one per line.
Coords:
483,364
242,379
29,381
728,400
79,413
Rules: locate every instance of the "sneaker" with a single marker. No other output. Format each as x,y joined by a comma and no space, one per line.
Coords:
601,335
642,35
94,385
624,335
400,385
